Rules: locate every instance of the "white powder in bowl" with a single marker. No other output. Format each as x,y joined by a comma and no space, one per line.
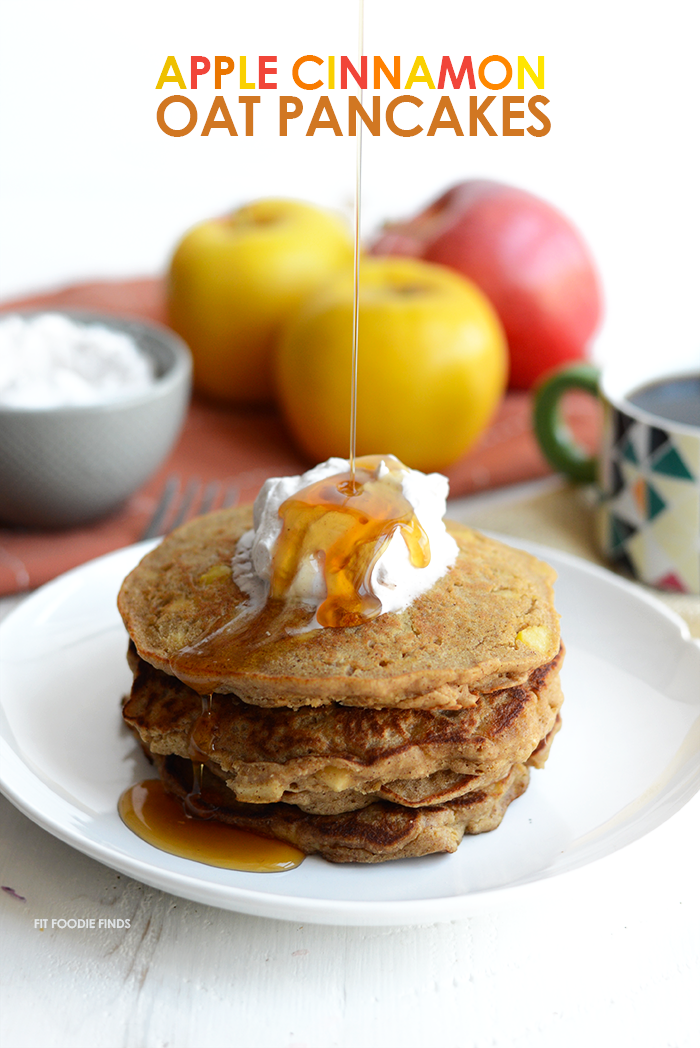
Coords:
49,360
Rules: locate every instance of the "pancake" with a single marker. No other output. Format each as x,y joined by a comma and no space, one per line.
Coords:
385,740
336,758
486,625
375,833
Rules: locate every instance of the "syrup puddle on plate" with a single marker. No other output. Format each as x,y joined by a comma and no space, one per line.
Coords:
160,819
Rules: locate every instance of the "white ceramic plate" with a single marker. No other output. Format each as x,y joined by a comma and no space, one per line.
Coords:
631,673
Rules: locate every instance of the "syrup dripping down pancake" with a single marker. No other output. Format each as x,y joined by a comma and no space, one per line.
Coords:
486,625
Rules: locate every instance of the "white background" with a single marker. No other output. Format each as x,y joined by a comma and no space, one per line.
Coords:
91,187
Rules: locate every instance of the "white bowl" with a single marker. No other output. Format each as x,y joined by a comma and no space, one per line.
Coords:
64,466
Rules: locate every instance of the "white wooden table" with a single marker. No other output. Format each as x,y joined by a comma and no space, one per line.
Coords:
608,955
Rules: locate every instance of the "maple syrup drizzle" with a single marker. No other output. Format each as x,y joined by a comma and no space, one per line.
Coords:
199,746
200,741
190,828
161,820
346,522
356,263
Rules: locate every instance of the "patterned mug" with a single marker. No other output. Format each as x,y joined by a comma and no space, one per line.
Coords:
647,470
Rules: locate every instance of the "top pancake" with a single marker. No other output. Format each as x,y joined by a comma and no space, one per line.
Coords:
485,625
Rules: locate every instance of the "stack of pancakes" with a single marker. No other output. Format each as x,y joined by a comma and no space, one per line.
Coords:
385,740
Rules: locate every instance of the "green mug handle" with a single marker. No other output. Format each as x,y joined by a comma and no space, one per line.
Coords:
553,435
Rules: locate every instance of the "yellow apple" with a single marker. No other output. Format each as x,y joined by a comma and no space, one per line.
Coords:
432,364
234,280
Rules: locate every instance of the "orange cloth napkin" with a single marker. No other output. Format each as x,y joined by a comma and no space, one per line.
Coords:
241,445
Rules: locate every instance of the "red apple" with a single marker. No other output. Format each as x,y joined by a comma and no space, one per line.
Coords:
528,259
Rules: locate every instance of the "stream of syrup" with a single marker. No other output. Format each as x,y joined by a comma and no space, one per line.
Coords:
345,522
356,264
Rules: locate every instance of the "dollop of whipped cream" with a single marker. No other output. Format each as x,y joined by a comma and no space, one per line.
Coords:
394,579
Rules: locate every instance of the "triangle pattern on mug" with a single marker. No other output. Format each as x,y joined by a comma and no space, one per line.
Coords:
651,502
671,463
620,532
670,582
621,424
689,450
648,500
657,437
629,453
